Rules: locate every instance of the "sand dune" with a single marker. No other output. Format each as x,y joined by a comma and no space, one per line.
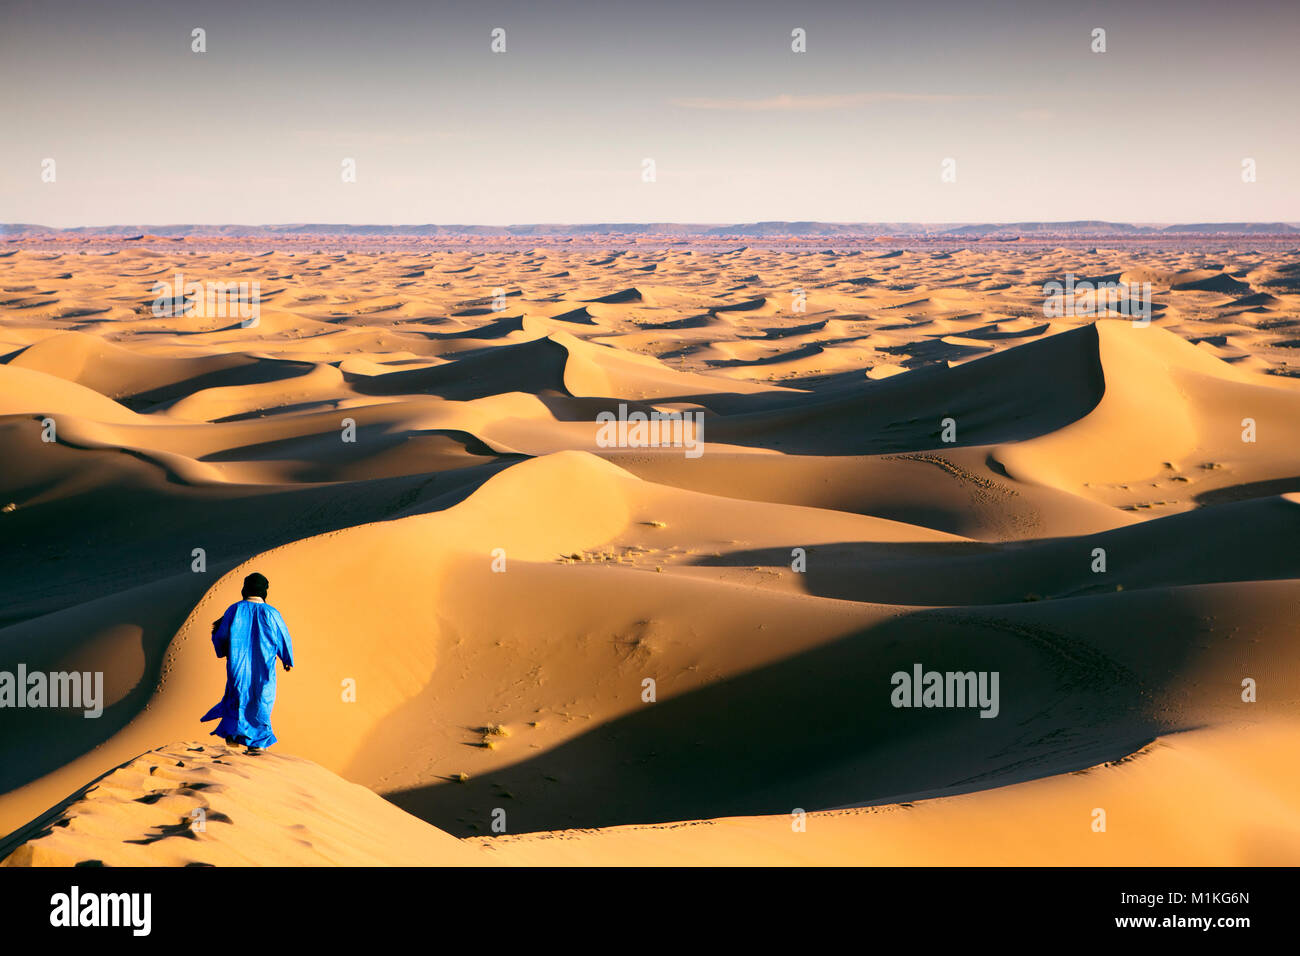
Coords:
224,809
422,476
198,805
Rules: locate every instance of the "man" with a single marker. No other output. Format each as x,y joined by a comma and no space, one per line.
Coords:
250,636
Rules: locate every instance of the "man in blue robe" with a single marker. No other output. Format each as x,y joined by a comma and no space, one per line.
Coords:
250,636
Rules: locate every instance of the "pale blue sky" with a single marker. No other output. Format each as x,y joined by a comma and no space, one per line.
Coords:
556,129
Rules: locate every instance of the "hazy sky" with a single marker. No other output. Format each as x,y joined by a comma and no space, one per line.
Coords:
556,129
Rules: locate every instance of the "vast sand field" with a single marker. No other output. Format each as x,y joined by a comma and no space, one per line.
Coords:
479,587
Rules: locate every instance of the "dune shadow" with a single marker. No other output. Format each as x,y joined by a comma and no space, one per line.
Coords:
1163,552
818,730
75,550
985,398
1248,490
257,372
523,367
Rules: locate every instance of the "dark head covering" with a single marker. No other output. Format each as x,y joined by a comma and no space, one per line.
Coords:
255,585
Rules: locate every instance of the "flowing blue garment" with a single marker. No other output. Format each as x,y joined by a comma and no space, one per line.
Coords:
250,637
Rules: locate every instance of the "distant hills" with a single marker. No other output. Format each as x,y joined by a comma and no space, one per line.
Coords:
1083,229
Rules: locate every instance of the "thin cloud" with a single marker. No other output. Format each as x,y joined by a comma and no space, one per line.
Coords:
787,102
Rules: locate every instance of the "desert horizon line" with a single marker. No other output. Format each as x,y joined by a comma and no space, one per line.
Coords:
769,227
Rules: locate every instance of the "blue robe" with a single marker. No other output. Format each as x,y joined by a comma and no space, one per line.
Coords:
250,637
